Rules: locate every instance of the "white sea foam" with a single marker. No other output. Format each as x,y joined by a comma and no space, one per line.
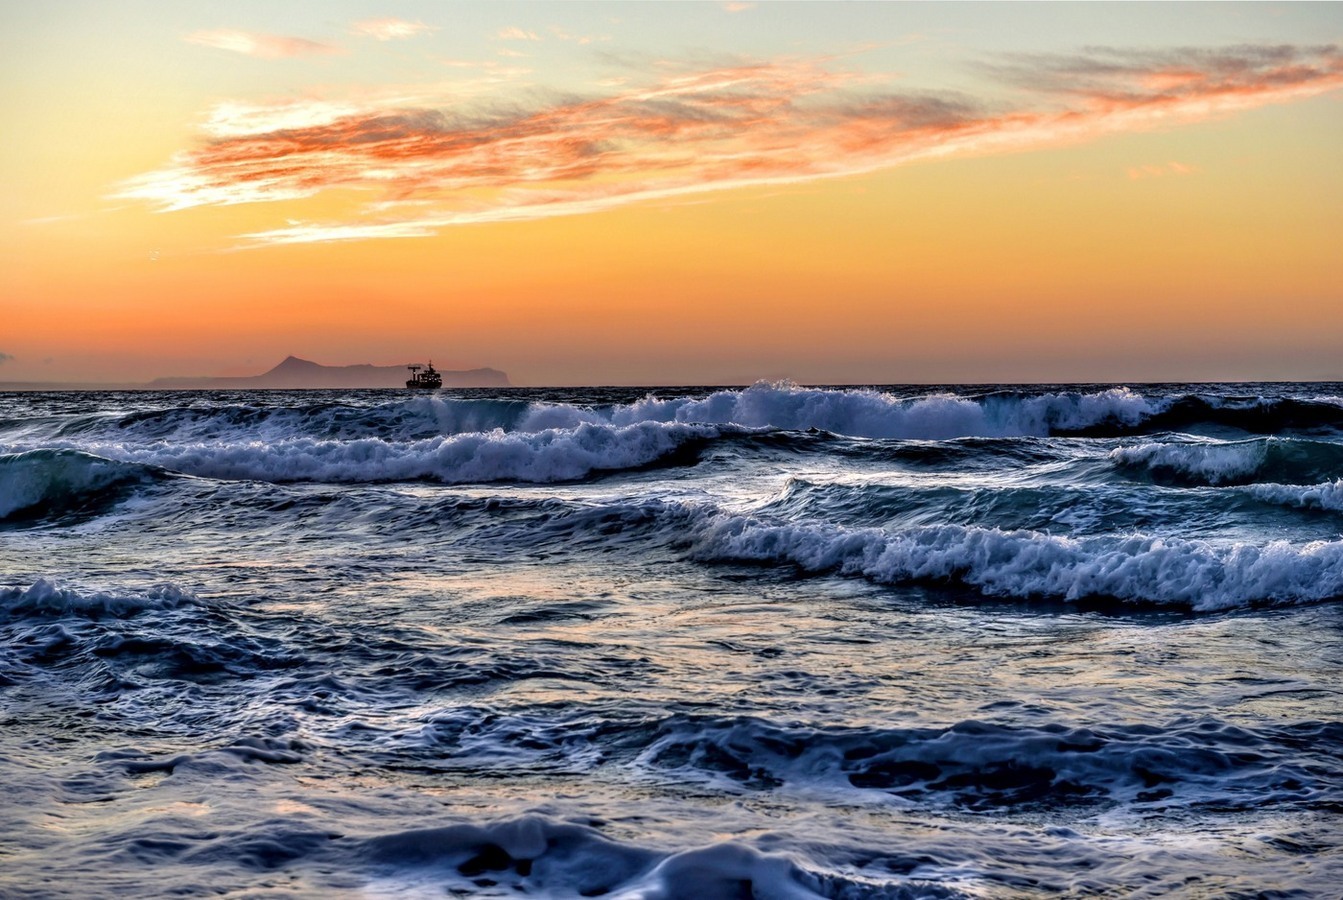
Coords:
1195,574
1315,496
538,855
876,414
44,597
545,456
1212,462
860,412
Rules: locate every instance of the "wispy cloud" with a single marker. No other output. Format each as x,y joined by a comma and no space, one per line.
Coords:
736,6
564,35
1155,170
5,357
264,46
390,29
513,33
683,133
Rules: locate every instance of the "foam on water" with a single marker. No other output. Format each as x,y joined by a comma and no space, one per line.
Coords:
540,457
1208,462
399,420
564,859
45,598
866,412
1204,462
1327,496
1197,575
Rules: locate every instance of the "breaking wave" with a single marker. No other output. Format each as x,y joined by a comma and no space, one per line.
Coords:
47,482
1327,496
45,598
1196,575
1257,415
538,854
1287,460
853,412
547,456
399,420
1028,564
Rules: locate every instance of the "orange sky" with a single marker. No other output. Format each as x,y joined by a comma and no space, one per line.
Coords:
856,193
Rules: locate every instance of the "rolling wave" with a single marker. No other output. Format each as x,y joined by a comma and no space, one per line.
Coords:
1195,575
1272,459
537,854
45,483
46,598
1028,564
401,420
1327,496
852,412
973,765
984,766
540,457
1257,415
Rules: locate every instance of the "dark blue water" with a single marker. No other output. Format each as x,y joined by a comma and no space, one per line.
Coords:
773,642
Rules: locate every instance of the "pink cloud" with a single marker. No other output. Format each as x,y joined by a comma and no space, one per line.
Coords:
766,123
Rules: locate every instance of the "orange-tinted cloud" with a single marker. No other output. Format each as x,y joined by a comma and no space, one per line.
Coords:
264,46
1124,75
686,133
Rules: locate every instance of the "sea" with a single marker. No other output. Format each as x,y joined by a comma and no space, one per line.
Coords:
775,641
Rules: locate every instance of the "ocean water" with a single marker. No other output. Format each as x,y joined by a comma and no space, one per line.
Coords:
708,643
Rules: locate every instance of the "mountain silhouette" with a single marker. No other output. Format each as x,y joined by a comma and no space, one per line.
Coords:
296,374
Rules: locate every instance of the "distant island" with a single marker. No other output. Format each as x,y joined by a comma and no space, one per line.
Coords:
292,374
295,373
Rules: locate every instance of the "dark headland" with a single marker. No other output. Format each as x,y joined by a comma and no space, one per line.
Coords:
292,374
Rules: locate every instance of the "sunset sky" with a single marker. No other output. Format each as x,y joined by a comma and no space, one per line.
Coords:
674,193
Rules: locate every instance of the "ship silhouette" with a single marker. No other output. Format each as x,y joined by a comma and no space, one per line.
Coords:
428,380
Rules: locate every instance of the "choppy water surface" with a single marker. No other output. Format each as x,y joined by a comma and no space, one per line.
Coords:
773,642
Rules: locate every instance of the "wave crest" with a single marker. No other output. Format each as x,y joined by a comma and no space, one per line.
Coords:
1328,496
44,597
869,413
54,481
548,456
853,412
1290,460
1197,575
534,854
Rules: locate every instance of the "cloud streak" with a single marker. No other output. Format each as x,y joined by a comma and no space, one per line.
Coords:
514,33
433,165
390,29
1153,170
262,46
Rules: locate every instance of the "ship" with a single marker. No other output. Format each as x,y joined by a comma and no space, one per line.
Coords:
428,380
